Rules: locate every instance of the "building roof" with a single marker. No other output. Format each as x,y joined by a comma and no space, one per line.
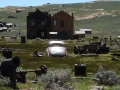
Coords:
4,27
37,13
79,32
85,29
8,24
1,28
63,12
1,24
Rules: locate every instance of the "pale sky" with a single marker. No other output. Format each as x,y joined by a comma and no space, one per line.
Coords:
4,3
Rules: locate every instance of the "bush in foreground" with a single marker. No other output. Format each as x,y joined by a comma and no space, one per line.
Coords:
56,79
107,77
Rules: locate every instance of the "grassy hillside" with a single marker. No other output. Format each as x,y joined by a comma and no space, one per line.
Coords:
102,17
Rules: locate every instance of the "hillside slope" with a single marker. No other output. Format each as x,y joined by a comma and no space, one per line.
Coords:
101,16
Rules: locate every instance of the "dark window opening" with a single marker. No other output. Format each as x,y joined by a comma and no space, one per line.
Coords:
68,23
62,23
55,22
32,22
45,21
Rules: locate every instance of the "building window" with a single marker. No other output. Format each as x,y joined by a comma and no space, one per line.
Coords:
55,22
61,23
42,33
43,23
68,23
32,22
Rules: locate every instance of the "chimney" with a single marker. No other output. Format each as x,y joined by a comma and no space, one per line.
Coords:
72,15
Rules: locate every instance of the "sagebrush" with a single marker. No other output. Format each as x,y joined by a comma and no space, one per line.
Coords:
107,77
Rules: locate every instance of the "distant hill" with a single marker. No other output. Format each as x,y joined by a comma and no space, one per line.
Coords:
103,17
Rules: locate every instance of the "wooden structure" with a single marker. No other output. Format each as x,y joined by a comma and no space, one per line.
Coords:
3,27
87,31
52,35
80,33
38,24
94,48
63,23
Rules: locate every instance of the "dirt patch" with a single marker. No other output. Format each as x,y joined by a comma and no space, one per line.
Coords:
92,15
